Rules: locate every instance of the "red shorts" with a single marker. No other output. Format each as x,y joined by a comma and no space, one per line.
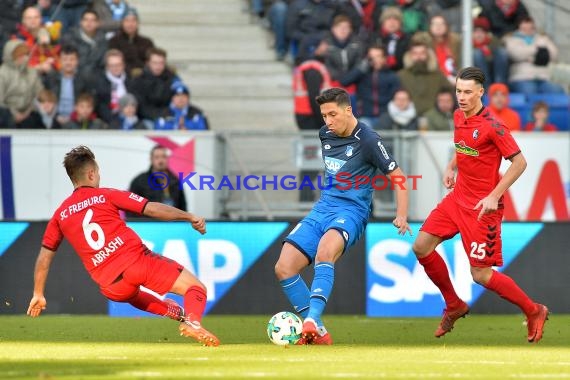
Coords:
153,271
481,238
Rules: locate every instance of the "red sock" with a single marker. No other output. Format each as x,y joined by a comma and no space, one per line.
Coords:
195,302
147,302
508,289
437,272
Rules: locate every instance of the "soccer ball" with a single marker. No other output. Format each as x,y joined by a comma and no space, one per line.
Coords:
284,328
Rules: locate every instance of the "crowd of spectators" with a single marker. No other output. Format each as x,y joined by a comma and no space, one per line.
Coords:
82,64
398,58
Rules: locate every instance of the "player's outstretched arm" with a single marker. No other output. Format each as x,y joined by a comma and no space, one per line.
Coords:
491,202
165,212
397,177
43,262
449,175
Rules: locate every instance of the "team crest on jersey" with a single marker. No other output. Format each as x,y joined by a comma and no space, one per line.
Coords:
461,147
349,150
475,134
333,165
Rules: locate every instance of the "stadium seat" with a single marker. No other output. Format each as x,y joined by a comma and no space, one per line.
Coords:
515,100
519,103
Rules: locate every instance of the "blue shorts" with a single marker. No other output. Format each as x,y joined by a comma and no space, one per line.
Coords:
308,232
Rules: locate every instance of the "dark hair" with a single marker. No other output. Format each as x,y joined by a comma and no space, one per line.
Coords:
418,42
69,49
378,46
76,160
85,97
334,95
445,90
90,10
155,51
47,96
341,18
540,105
155,148
402,89
472,73
522,19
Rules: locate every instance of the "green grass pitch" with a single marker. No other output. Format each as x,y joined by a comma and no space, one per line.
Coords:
99,347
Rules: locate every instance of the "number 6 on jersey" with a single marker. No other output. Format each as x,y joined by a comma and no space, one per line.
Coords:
90,228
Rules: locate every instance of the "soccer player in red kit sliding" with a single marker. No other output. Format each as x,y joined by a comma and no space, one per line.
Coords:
474,207
114,255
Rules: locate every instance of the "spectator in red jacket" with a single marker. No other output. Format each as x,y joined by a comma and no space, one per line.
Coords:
44,55
499,106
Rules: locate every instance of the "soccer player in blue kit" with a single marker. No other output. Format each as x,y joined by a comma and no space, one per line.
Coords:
352,152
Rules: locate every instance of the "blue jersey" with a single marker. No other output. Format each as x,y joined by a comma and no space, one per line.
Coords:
360,154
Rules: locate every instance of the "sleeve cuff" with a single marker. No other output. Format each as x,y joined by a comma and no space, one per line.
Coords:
144,206
50,248
512,155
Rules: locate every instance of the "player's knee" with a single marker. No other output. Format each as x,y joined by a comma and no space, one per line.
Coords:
477,278
419,249
199,284
188,280
326,256
282,270
481,275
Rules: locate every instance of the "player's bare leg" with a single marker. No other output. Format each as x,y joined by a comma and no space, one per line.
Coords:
329,250
506,287
194,293
424,249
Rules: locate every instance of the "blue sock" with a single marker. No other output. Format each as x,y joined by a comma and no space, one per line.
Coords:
297,293
321,290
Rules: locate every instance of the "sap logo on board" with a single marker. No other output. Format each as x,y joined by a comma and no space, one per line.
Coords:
219,258
396,284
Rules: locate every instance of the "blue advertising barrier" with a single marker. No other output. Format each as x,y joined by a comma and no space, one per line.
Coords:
396,284
218,258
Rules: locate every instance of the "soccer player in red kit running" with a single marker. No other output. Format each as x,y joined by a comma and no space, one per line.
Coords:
114,255
474,207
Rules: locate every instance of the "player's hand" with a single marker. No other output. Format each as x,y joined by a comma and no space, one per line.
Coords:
37,304
199,224
449,178
402,225
488,205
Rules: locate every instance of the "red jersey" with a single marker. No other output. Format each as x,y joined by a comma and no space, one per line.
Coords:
89,219
481,141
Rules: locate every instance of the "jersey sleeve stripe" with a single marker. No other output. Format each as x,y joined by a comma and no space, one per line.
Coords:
144,206
50,248
512,155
